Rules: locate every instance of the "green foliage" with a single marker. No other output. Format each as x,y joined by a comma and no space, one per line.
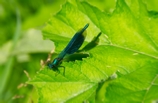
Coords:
123,68
22,49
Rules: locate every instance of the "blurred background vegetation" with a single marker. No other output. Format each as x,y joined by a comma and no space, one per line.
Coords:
22,46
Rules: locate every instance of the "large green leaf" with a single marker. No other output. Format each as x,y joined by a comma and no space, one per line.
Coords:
122,68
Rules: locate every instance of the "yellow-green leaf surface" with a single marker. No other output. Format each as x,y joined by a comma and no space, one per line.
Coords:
123,68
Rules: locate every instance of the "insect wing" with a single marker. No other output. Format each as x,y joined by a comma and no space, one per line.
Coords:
75,43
